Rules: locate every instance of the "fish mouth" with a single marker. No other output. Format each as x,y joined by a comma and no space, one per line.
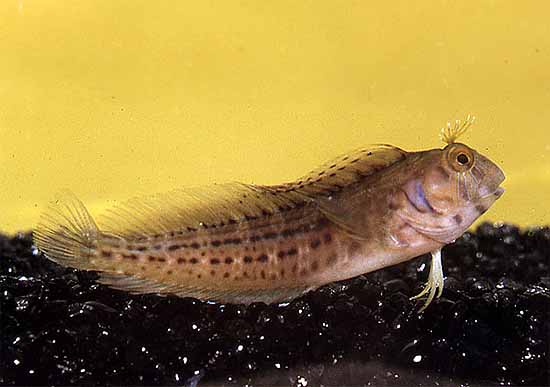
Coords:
497,193
487,201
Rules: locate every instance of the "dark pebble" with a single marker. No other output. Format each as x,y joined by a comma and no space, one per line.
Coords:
59,327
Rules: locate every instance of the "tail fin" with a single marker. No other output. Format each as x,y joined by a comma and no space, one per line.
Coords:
66,233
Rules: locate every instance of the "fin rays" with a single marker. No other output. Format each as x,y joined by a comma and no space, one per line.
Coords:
191,209
66,232
242,296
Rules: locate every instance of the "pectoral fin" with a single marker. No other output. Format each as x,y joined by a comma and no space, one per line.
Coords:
344,214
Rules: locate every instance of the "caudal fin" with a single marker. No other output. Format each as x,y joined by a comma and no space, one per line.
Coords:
66,233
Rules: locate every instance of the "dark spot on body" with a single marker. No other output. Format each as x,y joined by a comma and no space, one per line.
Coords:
143,268
247,259
225,275
263,258
193,260
174,247
282,272
270,235
214,261
182,260
245,274
327,238
331,259
169,272
262,273
315,243
106,254
314,266
458,219
157,247
332,175
161,259
212,273
230,241
141,248
228,260
281,254
255,238
151,258
199,276
195,245
216,243
286,233
292,251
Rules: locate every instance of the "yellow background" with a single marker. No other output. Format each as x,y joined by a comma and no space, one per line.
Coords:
113,99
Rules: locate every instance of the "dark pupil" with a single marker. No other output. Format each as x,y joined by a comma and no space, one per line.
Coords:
462,159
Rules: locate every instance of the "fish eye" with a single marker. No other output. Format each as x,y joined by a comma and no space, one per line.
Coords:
462,159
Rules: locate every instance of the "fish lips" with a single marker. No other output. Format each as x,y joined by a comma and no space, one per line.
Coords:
486,201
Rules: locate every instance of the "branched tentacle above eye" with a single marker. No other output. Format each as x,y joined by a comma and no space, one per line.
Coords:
450,133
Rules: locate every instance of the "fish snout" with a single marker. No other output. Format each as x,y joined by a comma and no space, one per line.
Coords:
493,177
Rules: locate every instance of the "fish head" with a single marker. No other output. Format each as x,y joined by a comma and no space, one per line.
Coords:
449,190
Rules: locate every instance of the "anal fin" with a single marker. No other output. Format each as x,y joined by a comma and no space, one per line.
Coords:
137,285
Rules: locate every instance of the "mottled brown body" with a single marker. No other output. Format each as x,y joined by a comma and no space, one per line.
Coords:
279,251
242,243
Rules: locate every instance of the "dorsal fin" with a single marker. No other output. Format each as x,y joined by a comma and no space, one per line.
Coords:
197,208
345,170
203,207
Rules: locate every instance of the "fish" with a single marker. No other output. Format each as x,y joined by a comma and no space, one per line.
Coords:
241,243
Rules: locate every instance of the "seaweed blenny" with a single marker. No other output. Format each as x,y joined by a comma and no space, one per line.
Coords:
241,243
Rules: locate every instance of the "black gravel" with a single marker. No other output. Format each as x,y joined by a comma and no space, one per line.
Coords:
58,327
